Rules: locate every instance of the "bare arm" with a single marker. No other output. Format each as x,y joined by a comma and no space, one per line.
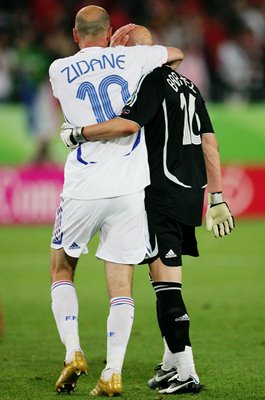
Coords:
174,65
117,127
218,216
212,163
174,55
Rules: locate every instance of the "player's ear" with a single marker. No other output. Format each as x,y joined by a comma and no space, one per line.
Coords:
75,36
109,34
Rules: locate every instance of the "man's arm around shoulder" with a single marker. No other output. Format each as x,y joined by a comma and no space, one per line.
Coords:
72,135
174,55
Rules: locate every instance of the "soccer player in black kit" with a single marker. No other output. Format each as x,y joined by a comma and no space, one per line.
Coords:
183,159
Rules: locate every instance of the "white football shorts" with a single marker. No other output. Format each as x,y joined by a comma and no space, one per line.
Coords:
121,223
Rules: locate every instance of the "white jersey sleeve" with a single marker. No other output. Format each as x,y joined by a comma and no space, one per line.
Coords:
151,56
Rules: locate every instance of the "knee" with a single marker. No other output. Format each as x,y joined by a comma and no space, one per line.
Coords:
62,267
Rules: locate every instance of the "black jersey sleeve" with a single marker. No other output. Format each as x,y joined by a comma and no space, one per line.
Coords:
146,100
206,124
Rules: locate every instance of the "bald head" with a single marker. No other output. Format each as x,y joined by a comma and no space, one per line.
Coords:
140,35
92,21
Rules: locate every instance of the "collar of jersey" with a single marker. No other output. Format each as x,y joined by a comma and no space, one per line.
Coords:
90,48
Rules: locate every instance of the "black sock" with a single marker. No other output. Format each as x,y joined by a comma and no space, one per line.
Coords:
172,315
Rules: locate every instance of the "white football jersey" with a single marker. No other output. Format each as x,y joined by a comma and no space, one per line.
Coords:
92,86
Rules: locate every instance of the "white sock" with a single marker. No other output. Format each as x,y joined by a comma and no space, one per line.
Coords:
65,311
183,361
119,326
185,364
169,359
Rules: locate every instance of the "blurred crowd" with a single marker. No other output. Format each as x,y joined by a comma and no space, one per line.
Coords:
223,43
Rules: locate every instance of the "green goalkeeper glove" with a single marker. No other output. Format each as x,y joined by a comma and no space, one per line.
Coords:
218,216
71,135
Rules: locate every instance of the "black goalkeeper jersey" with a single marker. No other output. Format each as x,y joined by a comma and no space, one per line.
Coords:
174,116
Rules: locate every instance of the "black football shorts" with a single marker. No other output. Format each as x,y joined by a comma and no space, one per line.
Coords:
170,239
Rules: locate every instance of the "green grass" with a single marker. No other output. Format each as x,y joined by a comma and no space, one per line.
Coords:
239,129
224,293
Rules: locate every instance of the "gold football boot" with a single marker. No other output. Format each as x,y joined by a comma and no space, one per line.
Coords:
110,387
71,372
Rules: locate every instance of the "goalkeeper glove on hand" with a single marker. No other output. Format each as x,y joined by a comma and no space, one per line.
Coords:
71,135
218,216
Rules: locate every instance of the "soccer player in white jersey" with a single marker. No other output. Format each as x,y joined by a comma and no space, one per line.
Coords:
103,188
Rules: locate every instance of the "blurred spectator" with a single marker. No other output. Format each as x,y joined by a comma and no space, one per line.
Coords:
35,93
253,16
6,68
220,19
240,66
47,15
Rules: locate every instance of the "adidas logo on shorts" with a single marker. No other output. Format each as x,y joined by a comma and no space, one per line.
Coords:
74,246
170,254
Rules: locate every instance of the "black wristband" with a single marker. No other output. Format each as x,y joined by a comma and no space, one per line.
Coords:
72,138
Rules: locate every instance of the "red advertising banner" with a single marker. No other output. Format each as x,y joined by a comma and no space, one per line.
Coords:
244,190
31,194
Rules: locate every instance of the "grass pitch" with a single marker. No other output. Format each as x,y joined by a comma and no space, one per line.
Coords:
223,290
